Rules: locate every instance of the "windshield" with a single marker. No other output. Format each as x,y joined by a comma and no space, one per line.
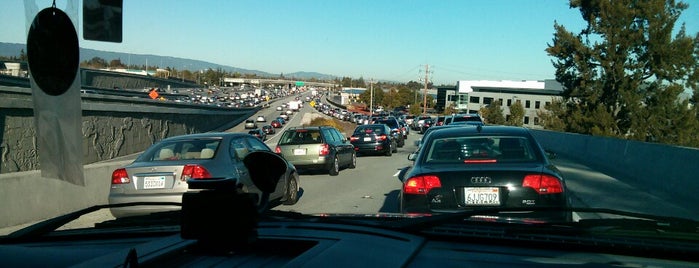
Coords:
566,106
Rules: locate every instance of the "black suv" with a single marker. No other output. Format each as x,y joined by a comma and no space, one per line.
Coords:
396,129
470,119
320,148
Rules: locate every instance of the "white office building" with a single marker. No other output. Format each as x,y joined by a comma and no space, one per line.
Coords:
472,95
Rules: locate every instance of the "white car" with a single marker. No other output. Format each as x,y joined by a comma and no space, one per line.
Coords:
261,118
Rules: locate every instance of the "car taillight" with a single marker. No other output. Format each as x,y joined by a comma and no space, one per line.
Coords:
543,184
421,184
324,149
353,138
277,150
120,176
381,138
194,172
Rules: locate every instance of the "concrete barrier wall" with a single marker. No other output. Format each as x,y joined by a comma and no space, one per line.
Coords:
670,172
28,197
112,127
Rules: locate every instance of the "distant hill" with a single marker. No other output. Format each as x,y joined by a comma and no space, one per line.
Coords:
13,50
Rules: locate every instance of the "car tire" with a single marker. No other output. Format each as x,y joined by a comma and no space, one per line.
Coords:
334,167
353,162
389,152
292,190
395,148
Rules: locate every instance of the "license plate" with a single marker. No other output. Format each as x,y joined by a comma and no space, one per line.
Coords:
154,182
367,138
299,151
482,196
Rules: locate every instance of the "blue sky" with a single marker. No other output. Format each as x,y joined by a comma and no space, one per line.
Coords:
387,40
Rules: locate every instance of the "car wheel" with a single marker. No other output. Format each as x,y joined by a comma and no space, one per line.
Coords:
389,152
292,190
334,167
353,163
395,148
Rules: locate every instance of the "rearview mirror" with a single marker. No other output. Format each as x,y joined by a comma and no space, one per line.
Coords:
102,20
265,169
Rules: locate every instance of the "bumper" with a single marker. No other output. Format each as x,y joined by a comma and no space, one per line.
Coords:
372,148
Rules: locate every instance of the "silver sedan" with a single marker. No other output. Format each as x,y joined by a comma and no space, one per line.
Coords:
160,174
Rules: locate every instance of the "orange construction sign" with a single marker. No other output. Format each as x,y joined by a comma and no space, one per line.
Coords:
153,94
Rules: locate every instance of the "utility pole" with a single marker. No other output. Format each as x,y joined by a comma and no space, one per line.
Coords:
371,97
424,95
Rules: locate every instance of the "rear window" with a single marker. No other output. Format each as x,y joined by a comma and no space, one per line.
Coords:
467,119
479,148
390,123
378,130
181,150
300,136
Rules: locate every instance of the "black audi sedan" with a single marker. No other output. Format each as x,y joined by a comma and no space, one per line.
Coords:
374,139
484,167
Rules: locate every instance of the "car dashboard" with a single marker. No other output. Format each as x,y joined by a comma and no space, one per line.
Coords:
309,244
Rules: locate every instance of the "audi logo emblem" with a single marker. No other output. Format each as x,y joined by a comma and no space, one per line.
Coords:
481,180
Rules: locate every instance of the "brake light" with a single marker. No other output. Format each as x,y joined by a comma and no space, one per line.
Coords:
120,176
324,149
353,138
421,184
543,184
277,150
383,137
480,161
194,172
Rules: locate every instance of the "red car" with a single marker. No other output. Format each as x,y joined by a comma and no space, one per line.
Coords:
276,124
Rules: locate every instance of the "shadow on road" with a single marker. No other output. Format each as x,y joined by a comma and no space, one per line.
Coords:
390,203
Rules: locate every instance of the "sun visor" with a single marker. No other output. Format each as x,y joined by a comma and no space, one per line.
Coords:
53,59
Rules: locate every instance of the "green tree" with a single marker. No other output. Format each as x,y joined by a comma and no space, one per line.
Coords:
625,68
346,82
549,118
96,62
116,63
516,114
415,108
492,113
451,109
22,55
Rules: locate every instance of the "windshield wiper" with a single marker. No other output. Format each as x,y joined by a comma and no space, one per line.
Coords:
50,225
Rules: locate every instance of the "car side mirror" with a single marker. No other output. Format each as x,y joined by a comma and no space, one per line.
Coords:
412,156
